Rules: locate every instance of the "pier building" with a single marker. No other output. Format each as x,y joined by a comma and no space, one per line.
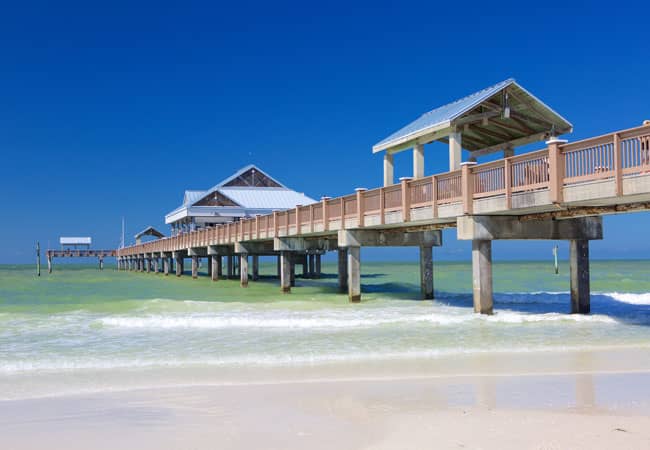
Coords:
246,193
559,192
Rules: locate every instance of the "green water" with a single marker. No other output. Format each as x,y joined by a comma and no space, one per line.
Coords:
79,319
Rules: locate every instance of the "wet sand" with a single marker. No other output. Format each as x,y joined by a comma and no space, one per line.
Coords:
550,411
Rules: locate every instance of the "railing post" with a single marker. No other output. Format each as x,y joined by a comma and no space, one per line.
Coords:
275,224
311,218
406,199
361,210
434,197
467,186
326,217
555,170
382,206
507,181
298,226
618,165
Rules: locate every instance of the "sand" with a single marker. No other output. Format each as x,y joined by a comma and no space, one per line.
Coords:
549,411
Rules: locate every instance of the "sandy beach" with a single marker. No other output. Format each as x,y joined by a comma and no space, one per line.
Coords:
579,411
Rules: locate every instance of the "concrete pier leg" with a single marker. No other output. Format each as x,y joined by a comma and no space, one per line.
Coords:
155,265
354,274
305,266
279,268
101,263
343,270
482,276
147,265
195,266
312,266
210,266
285,272
243,270
165,263
219,266
426,272
318,266
214,267
579,268
49,264
179,267
230,267
256,267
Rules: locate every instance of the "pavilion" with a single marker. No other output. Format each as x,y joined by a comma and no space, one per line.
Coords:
498,118
246,193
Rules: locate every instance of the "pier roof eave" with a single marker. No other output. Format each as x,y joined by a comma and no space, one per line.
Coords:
502,115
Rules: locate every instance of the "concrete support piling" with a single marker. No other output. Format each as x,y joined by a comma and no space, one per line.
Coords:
256,267
343,269
312,266
49,264
426,272
209,266
165,263
195,266
101,263
155,265
230,268
179,266
243,270
354,274
579,268
318,266
305,266
482,276
215,267
285,272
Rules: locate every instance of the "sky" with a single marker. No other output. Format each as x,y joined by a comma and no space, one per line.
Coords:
112,110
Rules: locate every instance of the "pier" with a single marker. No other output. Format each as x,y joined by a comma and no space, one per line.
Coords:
559,192
484,202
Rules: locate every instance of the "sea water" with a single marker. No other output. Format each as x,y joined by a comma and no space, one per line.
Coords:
75,328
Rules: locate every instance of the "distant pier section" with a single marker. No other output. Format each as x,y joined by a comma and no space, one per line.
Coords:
78,247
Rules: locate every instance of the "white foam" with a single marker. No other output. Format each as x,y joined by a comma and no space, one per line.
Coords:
632,299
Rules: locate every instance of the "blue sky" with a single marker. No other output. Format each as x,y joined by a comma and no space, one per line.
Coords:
113,110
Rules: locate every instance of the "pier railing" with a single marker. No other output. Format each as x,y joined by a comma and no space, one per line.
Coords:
447,195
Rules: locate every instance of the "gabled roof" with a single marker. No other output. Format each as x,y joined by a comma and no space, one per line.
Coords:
272,195
242,171
193,196
483,120
149,231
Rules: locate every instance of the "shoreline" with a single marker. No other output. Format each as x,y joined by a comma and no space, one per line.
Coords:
490,412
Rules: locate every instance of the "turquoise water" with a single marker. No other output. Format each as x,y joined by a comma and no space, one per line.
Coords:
80,319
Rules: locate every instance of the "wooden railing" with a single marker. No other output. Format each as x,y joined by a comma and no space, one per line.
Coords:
612,156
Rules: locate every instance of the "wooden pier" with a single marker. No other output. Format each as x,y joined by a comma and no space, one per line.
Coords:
79,253
557,193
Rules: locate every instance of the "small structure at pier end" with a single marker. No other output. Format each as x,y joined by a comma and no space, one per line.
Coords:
246,193
70,249
558,192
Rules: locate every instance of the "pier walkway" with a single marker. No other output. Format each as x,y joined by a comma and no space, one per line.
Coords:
556,193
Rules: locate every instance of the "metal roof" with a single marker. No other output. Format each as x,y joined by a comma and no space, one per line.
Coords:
149,231
538,117
193,196
248,198
271,198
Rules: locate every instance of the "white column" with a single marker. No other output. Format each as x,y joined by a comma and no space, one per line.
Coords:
418,161
389,177
455,154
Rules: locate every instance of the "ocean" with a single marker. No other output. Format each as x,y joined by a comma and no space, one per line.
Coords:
80,329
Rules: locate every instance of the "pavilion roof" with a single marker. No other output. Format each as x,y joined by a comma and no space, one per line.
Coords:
500,115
